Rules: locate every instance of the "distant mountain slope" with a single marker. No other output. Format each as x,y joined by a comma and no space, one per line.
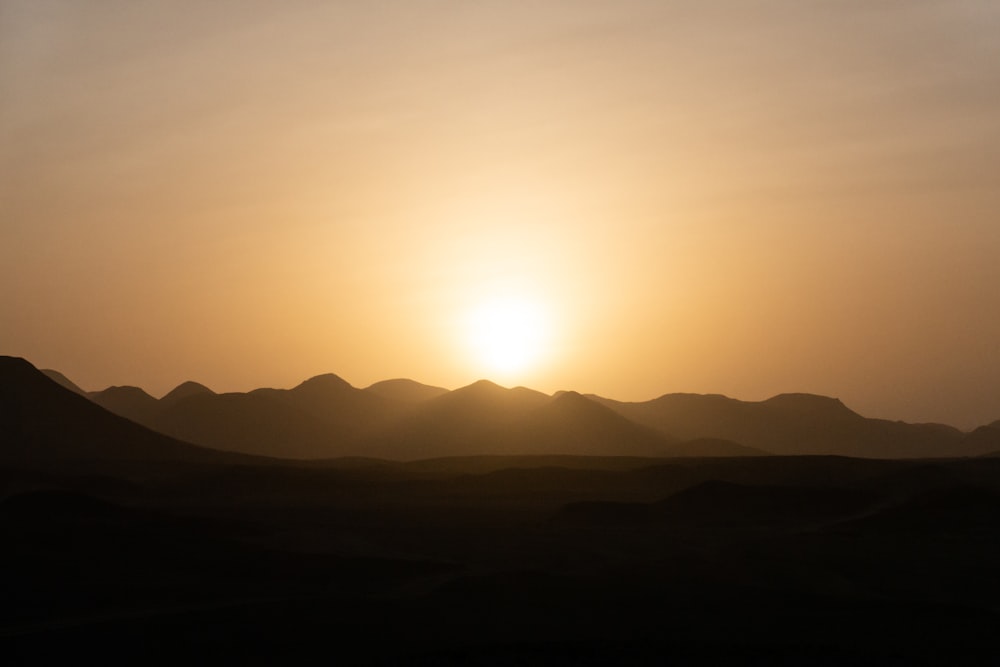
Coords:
129,402
62,380
45,424
984,440
349,411
406,391
323,417
184,390
570,423
484,418
791,424
248,423
475,419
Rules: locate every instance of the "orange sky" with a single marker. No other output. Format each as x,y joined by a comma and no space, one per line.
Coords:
733,197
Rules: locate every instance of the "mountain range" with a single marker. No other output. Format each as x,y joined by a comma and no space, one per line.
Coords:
325,417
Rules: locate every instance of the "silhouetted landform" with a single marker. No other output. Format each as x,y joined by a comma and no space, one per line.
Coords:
122,544
985,439
406,391
185,390
325,417
62,380
795,424
43,423
485,418
132,401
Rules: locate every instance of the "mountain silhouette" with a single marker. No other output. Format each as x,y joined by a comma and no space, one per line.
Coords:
323,417
45,424
326,417
351,411
479,418
983,440
254,423
184,390
572,424
129,402
791,424
62,380
406,391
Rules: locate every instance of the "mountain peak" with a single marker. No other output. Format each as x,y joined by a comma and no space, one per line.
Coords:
570,398
810,404
483,385
185,389
324,382
407,391
123,391
484,394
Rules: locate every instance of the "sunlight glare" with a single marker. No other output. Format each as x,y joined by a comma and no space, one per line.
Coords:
508,335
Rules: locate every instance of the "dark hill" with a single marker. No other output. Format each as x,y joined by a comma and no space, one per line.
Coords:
714,503
726,501
714,447
959,509
45,424
983,440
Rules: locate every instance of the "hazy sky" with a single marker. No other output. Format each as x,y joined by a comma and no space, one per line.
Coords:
742,197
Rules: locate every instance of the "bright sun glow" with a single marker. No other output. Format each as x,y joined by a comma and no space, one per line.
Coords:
508,335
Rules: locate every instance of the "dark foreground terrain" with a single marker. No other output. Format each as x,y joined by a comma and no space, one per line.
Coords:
496,561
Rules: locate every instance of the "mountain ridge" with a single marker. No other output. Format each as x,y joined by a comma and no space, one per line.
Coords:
45,424
326,417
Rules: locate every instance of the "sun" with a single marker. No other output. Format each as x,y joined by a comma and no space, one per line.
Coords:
508,336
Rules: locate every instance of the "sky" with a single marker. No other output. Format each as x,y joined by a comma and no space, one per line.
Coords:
636,197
